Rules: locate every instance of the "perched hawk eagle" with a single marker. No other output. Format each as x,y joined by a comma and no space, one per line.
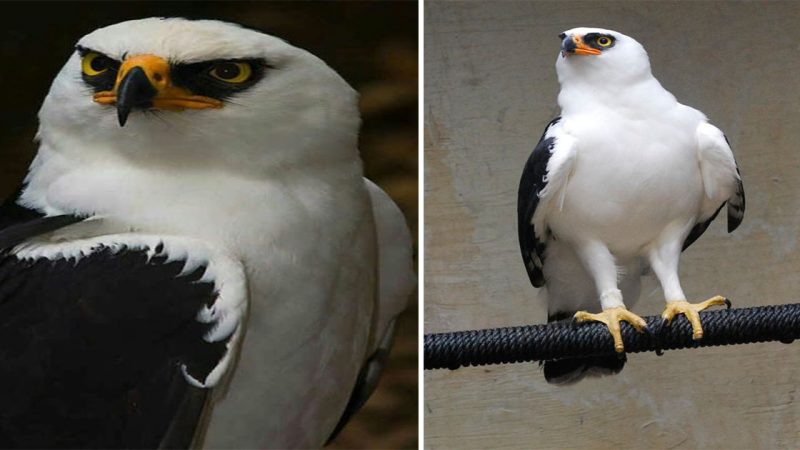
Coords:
624,180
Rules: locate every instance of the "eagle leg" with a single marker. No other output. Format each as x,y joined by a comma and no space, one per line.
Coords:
691,310
612,317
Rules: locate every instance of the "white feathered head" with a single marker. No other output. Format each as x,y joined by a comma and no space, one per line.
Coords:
601,57
174,91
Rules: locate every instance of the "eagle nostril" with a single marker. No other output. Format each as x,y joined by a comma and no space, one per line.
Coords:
157,76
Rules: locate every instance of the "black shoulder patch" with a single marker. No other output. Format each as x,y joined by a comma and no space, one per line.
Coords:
532,243
93,350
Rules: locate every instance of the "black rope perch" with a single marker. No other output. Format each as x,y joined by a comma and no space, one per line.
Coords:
565,339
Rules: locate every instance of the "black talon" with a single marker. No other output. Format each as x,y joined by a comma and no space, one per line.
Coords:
727,303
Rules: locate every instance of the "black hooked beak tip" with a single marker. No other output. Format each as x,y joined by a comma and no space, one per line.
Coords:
567,44
134,91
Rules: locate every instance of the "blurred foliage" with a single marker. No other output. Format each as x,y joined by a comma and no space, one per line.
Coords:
373,45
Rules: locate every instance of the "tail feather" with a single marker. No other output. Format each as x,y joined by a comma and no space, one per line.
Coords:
571,370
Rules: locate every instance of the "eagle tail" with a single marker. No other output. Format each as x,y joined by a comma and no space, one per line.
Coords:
571,370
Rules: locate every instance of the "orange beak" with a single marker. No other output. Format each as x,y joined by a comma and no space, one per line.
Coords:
574,45
144,81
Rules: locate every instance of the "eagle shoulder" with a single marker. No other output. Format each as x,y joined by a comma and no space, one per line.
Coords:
541,187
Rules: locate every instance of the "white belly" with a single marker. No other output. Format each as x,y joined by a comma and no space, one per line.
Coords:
623,191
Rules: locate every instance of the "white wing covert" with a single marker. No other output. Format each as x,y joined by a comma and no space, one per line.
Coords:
396,280
721,181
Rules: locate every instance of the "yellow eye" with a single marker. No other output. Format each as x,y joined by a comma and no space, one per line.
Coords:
232,72
94,64
604,41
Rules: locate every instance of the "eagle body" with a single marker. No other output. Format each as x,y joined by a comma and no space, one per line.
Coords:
638,166
272,230
253,212
624,180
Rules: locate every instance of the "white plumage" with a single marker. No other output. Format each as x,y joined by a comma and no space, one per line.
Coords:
621,180
272,181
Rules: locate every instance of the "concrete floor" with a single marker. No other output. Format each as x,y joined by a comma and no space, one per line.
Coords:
490,88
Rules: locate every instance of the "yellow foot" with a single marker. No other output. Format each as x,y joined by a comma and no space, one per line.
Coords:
691,310
612,317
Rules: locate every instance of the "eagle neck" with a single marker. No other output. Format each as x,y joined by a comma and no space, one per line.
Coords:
643,96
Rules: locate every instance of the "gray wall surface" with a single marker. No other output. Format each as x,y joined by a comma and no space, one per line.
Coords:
490,88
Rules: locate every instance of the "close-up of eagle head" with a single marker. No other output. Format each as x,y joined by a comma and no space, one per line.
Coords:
195,257
236,89
618,59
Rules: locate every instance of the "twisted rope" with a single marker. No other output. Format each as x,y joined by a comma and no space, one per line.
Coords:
565,339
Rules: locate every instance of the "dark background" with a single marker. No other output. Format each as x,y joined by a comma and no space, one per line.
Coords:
373,45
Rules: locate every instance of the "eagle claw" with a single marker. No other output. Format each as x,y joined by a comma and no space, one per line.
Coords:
691,310
612,317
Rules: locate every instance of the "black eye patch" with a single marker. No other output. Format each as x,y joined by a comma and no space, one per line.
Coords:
106,68
216,78
599,41
197,78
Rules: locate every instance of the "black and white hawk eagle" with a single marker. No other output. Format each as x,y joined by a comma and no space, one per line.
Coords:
625,179
195,257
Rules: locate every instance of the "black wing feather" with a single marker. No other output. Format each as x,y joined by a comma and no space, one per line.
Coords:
532,243
92,350
736,205
12,212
